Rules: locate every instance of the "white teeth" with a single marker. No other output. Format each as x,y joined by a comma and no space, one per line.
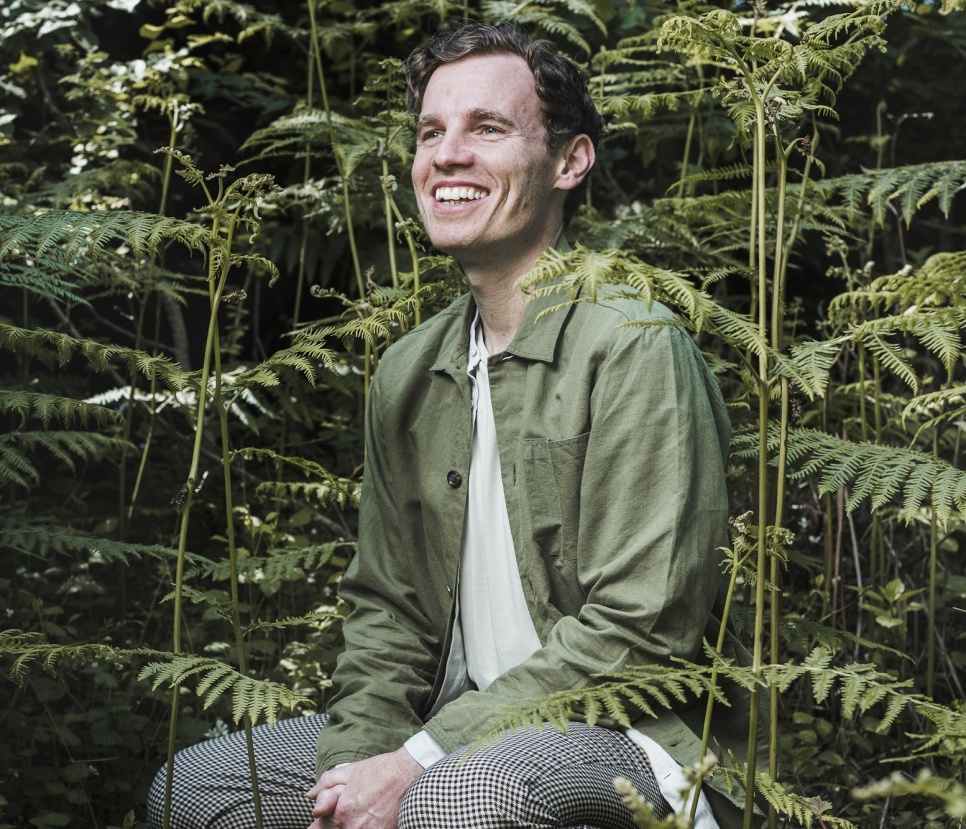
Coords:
459,194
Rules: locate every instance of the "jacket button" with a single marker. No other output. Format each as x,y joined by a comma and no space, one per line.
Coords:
454,479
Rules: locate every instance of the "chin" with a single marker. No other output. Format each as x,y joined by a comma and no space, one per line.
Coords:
453,245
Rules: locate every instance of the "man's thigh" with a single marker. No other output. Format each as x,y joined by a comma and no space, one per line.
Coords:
534,778
212,783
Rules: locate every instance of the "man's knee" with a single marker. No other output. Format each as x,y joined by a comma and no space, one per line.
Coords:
188,808
460,794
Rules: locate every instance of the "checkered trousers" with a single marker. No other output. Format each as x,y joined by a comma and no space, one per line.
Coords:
533,778
212,786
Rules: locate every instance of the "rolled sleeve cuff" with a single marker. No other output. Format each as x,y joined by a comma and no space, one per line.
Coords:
424,749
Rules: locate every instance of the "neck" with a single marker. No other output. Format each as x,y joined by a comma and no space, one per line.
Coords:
501,305
499,299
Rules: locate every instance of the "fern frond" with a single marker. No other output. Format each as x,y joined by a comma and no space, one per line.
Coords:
939,407
803,632
252,698
317,619
809,364
586,272
16,468
738,170
68,447
906,188
280,565
801,809
27,647
951,794
50,408
85,234
880,472
332,488
39,540
42,281
26,341
340,491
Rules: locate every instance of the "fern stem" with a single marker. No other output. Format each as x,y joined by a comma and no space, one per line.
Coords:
687,151
218,279
387,203
931,617
736,565
878,538
336,154
152,418
233,562
306,174
763,391
413,255
880,156
776,593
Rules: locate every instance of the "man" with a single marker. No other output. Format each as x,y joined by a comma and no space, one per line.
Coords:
542,501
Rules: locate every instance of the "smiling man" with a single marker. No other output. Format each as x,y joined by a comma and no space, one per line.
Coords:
543,499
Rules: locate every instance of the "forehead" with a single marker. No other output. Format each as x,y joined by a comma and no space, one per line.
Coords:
499,83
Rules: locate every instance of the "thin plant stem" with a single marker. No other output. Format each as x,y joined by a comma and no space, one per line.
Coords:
775,575
218,278
879,569
174,123
336,153
390,226
413,255
931,616
763,390
306,172
736,565
687,151
233,566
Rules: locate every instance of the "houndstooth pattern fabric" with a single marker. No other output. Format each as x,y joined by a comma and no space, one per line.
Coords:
212,783
534,778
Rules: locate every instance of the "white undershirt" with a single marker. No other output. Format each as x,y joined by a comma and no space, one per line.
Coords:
490,601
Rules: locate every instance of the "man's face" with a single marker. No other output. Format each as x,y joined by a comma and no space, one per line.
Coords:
485,181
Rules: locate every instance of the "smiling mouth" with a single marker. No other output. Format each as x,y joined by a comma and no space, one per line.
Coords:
455,195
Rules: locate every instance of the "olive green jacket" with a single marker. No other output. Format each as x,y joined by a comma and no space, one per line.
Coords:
612,441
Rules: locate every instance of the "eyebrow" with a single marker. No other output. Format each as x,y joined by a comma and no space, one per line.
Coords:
474,115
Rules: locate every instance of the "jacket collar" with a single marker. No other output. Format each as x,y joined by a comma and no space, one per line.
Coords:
536,339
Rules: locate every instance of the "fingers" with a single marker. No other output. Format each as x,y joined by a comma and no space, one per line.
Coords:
327,799
333,777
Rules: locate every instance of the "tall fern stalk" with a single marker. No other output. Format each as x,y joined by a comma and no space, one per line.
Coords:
225,222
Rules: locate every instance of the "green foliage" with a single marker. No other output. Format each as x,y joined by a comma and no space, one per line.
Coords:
187,354
251,698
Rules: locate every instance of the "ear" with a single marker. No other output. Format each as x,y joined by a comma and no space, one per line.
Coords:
575,161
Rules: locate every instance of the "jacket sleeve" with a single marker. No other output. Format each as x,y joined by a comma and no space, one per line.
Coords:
652,511
385,674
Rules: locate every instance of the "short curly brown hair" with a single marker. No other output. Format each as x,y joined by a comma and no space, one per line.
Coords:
565,102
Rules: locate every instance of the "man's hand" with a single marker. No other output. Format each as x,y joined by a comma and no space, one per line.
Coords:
364,795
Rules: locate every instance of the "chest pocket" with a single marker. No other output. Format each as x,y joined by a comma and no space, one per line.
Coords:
553,470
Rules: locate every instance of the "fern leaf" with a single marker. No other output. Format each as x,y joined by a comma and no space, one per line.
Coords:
26,341
252,698
343,491
84,234
40,541
869,467
51,408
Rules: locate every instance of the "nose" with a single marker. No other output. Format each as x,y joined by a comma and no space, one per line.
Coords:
453,150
